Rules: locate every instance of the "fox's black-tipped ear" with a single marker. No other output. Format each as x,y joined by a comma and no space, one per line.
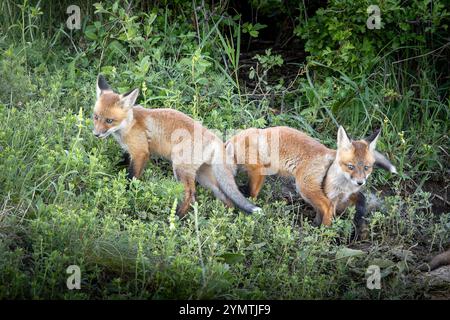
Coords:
374,135
343,141
102,85
129,99
372,139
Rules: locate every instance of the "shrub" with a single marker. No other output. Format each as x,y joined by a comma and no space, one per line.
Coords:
337,35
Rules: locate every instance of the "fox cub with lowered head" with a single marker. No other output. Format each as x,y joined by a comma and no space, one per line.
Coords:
327,179
196,153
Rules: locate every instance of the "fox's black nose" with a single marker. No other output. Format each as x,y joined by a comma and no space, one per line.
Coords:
360,183
96,135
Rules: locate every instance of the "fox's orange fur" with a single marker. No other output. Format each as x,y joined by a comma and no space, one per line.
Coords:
327,179
196,153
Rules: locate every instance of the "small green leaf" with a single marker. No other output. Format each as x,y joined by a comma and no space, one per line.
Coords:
382,263
254,33
232,258
90,33
256,246
202,81
115,6
348,253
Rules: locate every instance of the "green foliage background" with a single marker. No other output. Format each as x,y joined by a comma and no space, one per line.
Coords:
63,201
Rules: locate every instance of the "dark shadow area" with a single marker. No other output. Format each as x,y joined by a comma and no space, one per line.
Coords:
280,20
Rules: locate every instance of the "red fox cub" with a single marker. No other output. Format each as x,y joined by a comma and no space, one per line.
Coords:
195,152
327,179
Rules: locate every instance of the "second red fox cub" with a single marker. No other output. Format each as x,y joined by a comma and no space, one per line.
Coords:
195,152
327,179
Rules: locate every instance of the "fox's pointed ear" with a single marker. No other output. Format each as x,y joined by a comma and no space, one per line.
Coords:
372,139
129,99
102,85
343,141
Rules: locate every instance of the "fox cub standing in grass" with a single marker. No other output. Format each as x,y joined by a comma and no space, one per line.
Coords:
327,179
196,153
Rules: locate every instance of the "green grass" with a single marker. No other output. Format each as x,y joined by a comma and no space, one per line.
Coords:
63,200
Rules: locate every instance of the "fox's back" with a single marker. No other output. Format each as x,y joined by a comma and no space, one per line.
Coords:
283,148
295,142
166,128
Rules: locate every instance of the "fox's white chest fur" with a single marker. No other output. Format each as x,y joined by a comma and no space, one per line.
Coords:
118,136
338,187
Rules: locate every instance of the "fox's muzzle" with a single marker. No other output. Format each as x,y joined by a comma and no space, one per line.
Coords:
100,135
359,181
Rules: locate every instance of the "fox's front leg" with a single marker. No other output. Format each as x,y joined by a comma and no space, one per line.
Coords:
125,159
138,148
255,180
325,208
137,164
359,200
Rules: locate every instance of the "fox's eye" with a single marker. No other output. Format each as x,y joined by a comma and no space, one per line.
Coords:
366,168
109,121
350,166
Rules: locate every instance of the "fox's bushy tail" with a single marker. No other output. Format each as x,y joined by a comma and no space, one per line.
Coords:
382,162
228,186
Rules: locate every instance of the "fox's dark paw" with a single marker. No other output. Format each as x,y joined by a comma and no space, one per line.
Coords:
361,232
317,220
125,160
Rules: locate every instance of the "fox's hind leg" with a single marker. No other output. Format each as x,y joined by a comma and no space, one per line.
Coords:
255,180
188,181
206,178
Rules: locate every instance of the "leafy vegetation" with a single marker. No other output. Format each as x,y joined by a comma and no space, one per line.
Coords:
350,46
64,201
